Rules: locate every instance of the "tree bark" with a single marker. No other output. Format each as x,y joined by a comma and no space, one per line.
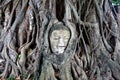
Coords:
92,51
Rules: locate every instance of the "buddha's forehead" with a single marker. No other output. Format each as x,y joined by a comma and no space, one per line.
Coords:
61,32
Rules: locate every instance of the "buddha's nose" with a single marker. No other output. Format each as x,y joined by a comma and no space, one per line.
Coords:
61,42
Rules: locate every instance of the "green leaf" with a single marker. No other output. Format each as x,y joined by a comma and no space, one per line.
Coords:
116,2
11,78
25,75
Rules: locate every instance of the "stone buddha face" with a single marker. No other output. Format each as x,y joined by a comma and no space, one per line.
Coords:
59,38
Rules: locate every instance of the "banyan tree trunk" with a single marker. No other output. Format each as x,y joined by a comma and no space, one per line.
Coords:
92,46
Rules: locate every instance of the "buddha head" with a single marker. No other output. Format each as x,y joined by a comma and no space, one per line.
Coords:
59,36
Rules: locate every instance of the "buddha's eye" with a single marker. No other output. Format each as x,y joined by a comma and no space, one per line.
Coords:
56,38
66,38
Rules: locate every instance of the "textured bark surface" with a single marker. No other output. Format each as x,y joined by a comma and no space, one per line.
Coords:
92,53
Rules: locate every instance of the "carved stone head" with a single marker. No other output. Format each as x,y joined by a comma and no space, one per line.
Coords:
59,37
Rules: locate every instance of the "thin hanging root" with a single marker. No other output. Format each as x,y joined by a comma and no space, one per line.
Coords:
22,60
32,52
6,3
12,49
9,62
38,37
12,14
77,60
13,65
26,46
87,10
28,39
99,13
108,47
74,72
10,21
77,17
86,51
78,70
5,72
20,16
74,11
